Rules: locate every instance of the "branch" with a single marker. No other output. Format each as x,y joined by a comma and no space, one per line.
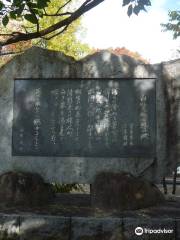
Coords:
32,12
6,34
10,53
61,7
85,7
11,34
57,15
55,35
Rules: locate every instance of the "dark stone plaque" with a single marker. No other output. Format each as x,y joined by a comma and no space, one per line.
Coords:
85,117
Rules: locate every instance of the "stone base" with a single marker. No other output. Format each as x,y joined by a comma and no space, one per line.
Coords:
122,191
24,189
76,220
38,227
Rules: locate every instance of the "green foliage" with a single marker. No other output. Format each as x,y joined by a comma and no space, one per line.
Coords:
1,5
66,188
67,41
174,23
32,10
135,6
54,20
24,9
31,18
5,20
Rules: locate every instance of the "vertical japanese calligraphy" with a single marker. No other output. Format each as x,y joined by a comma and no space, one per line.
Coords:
37,118
85,117
144,125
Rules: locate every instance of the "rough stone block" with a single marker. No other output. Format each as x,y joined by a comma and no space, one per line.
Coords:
123,191
24,189
44,64
44,228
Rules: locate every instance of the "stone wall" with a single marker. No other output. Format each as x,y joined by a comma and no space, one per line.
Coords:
171,75
40,63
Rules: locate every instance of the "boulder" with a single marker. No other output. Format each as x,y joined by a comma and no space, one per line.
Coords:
123,191
24,189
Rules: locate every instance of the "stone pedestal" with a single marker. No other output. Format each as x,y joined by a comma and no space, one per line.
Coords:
24,189
122,191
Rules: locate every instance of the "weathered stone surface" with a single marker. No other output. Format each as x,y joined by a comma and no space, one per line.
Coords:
122,191
41,63
44,228
23,189
96,229
151,229
171,76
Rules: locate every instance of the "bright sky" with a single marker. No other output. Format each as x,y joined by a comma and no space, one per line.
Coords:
109,26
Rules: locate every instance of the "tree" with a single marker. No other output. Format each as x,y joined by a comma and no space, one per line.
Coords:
125,51
10,51
173,24
66,42
35,10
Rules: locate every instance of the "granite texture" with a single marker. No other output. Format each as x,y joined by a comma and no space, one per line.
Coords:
24,189
122,191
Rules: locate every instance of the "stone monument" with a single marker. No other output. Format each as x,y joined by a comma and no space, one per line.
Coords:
105,117
69,120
